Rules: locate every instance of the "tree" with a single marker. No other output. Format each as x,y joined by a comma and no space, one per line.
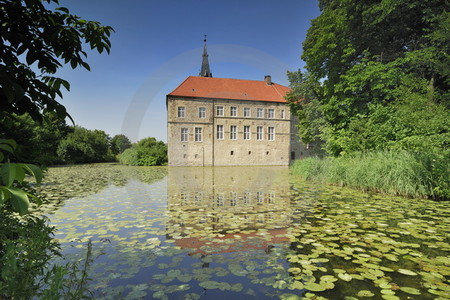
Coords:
367,59
85,146
120,143
36,43
36,142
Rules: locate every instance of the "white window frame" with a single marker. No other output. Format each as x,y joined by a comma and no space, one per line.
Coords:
271,133
219,111
270,113
181,111
198,134
233,132
184,134
247,132
259,133
219,132
247,112
202,112
260,112
282,114
233,111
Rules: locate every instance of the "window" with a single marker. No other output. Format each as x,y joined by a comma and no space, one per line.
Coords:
246,132
259,133
259,198
202,112
198,134
260,112
233,132
247,112
184,135
247,197
270,113
219,200
233,111
181,111
282,114
271,133
219,132
219,111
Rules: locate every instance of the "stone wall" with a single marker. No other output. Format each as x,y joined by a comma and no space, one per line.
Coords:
227,151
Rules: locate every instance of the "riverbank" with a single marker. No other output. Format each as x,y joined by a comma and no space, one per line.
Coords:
419,175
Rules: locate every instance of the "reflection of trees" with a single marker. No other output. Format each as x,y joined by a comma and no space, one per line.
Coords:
229,202
65,182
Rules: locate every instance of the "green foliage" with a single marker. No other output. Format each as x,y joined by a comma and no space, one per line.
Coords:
85,146
69,281
37,141
147,152
26,246
394,172
36,43
120,143
378,75
12,176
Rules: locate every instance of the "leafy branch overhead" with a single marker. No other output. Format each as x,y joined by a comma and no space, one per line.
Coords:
36,42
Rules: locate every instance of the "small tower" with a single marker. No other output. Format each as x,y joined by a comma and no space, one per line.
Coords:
205,71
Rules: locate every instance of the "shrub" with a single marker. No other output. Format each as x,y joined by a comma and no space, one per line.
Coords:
147,152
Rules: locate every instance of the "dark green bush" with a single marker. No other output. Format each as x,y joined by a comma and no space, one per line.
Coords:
146,152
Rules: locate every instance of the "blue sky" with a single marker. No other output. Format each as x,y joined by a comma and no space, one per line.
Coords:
157,44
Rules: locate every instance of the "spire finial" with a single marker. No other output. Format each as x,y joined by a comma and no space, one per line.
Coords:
205,71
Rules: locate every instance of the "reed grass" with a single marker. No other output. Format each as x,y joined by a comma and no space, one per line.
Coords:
419,175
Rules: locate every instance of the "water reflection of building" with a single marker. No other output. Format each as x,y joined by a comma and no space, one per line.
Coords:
229,201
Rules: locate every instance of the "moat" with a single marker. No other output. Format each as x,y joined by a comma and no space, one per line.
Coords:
245,233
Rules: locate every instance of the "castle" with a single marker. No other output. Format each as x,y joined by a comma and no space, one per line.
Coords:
228,122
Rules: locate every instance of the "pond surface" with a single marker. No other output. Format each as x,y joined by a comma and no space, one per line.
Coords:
245,233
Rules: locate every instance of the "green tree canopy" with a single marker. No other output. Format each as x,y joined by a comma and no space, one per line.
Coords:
85,146
366,60
36,42
120,143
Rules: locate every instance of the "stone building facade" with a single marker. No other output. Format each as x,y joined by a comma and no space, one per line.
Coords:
227,122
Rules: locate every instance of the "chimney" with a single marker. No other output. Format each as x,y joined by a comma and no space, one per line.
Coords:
268,79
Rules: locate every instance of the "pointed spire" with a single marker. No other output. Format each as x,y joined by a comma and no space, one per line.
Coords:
205,71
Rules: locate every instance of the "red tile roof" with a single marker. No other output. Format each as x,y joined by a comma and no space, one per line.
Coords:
225,88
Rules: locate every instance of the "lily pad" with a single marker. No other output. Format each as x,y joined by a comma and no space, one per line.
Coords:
410,290
407,272
345,276
365,293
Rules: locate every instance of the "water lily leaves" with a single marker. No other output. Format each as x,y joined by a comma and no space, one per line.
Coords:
407,272
318,287
329,278
312,231
280,284
410,290
211,285
345,276
294,270
287,296
365,293
297,285
390,297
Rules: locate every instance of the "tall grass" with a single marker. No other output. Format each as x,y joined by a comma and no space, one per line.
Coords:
421,175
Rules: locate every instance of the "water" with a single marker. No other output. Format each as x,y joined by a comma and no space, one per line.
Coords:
243,233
